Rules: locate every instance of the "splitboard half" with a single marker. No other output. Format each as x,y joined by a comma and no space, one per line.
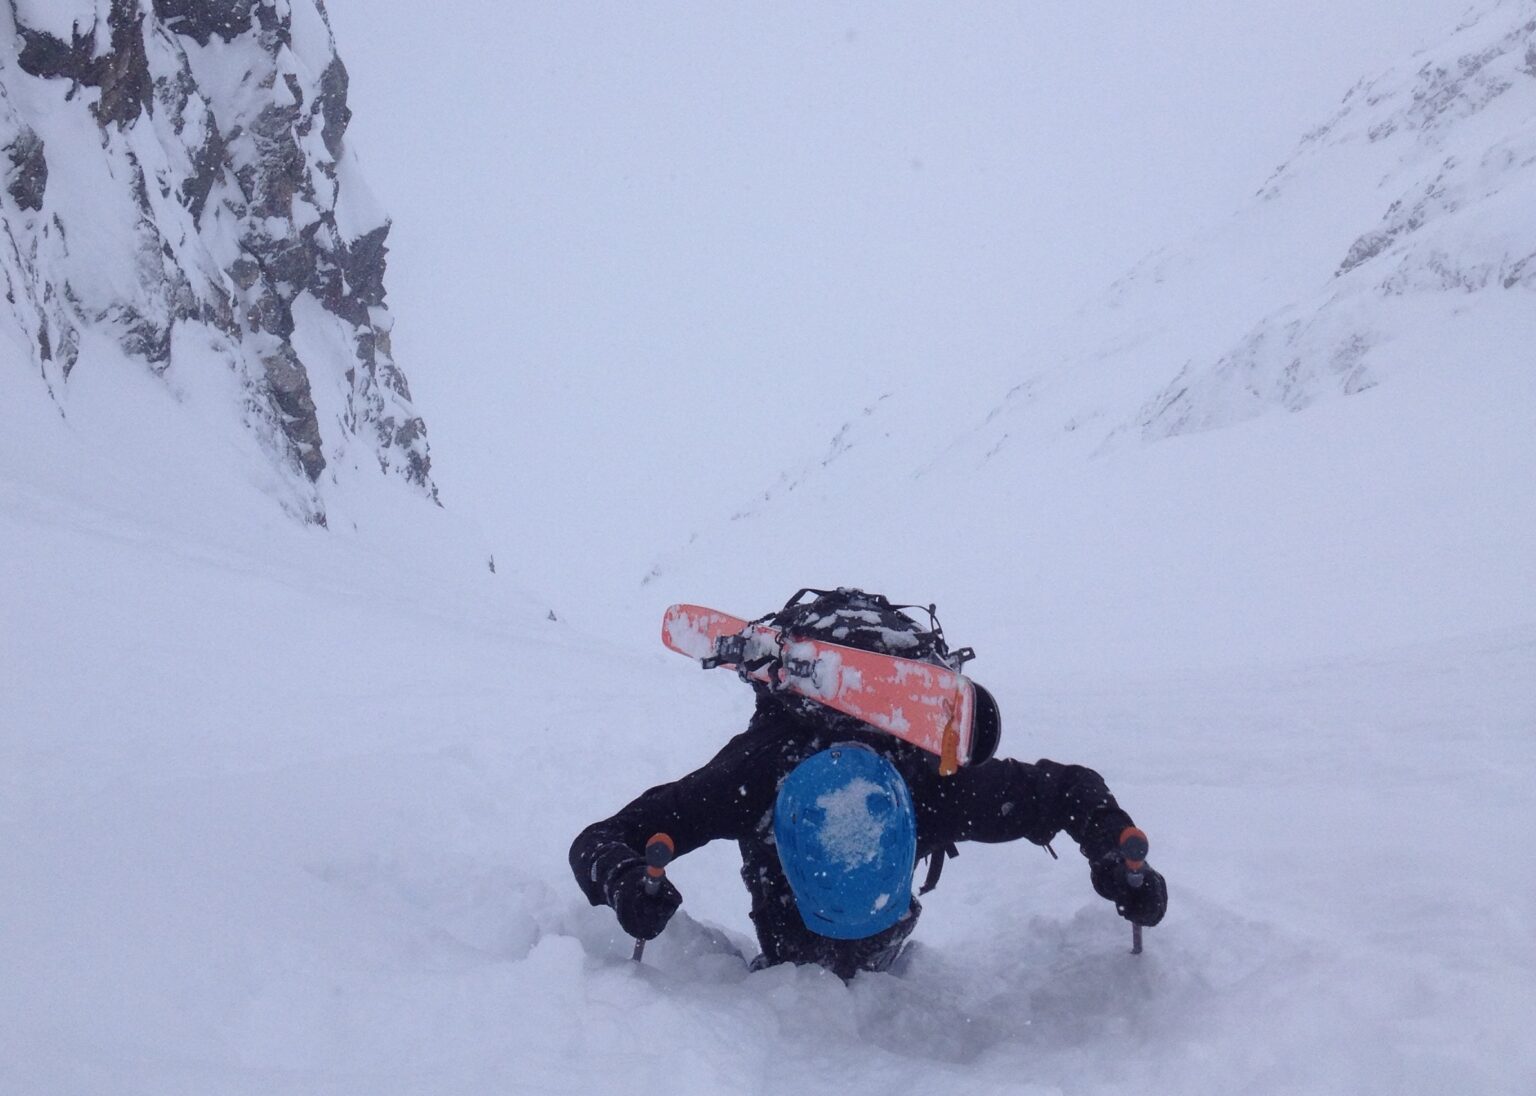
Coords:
930,706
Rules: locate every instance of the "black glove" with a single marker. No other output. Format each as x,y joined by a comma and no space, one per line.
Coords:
1143,905
641,915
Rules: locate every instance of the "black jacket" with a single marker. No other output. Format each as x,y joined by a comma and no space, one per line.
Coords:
732,798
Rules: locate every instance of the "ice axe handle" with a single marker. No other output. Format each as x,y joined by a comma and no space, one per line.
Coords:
1133,854
658,854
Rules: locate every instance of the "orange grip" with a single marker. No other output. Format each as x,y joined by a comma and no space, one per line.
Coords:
1133,847
659,851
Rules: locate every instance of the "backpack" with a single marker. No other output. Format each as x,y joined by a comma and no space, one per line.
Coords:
869,622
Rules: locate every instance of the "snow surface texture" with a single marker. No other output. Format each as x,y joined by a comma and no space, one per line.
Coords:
178,190
287,812
335,864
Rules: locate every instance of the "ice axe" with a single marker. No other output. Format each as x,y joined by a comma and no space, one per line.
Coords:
658,854
1133,855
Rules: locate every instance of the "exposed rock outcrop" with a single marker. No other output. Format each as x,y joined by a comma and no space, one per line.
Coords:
176,177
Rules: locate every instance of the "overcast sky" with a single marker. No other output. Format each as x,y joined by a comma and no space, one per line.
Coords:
639,249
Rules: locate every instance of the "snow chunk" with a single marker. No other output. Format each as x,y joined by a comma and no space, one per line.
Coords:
60,18
854,822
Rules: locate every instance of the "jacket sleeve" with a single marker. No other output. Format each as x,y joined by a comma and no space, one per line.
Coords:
716,801
1004,800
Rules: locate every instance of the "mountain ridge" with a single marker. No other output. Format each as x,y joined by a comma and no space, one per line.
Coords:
177,183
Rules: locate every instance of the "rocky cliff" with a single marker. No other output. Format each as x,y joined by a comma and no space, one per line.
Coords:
176,190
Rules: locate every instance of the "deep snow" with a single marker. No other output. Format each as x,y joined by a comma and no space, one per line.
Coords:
286,811
276,826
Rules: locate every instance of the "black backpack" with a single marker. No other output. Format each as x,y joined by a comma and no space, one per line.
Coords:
869,622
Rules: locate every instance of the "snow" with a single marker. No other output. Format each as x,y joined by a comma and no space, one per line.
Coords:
64,18
287,810
713,219
312,42
289,825
850,831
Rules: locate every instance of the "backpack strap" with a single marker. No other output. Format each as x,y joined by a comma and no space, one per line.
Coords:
936,866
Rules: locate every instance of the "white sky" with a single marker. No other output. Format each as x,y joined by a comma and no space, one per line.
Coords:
727,220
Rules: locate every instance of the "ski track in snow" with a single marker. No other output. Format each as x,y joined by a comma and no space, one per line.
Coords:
334,862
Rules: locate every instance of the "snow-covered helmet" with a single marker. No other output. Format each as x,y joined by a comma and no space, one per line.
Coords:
846,833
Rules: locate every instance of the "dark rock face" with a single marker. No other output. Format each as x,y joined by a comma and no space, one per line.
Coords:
207,166
289,385
201,20
44,55
122,73
363,265
277,173
332,104
231,194
27,179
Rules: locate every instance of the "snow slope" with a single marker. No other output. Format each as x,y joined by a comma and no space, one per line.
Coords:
674,227
334,863
1139,494
286,810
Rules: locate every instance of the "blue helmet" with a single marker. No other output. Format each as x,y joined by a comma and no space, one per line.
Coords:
847,840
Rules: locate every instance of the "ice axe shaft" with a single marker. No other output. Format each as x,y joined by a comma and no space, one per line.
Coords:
658,854
1133,855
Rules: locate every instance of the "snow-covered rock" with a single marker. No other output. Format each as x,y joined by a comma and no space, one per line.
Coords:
1442,156
1410,212
177,191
